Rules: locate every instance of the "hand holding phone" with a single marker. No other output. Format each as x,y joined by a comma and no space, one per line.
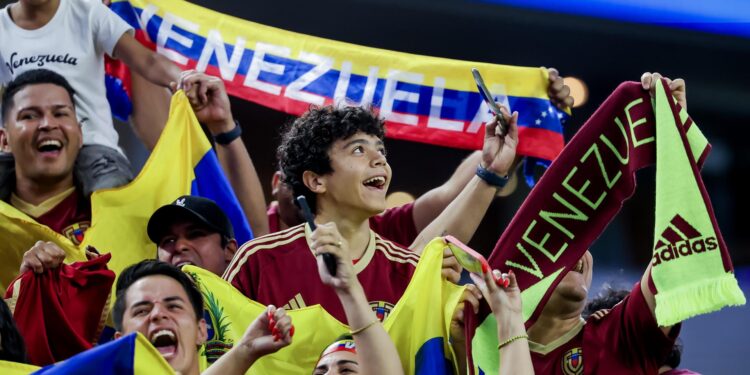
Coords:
472,261
486,95
329,259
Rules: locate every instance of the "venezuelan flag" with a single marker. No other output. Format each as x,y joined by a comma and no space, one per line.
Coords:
418,325
182,163
128,355
117,83
423,98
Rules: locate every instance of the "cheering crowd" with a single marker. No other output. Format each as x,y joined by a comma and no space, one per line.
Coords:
60,145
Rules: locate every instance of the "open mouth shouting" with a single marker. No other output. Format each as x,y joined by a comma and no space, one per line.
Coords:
180,262
377,182
49,147
165,341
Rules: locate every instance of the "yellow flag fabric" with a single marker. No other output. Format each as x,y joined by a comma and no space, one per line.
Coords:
19,233
120,215
418,324
229,313
15,368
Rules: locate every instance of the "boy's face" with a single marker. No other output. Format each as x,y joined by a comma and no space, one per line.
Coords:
158,307
360,176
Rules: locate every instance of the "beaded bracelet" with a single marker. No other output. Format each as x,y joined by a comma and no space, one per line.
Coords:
356,331
510,340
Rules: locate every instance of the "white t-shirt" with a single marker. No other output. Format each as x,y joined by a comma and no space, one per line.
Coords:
73,44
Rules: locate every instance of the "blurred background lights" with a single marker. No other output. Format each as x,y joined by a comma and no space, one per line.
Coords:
578,90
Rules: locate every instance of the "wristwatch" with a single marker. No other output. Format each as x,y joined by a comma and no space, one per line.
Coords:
491,178
227,138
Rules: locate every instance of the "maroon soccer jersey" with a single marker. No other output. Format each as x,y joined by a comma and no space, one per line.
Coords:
71,217
280,269
61,312
395,224
625,341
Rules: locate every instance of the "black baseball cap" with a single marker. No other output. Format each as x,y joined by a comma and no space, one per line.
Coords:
188,207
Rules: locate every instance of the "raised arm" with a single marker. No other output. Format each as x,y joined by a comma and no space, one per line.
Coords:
149,64
430,204
150,109
505,303
463,215
268,333
150,79
376,352
210,102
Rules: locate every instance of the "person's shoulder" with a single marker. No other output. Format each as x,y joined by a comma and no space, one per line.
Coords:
80,6
5,20
264,249
395,252
284,239
632,307
86,9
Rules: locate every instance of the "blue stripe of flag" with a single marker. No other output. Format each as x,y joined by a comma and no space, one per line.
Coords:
118,98
210,182
113,358
430,358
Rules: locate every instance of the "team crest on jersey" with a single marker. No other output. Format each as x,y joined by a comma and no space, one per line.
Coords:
572,363
75,232
381,309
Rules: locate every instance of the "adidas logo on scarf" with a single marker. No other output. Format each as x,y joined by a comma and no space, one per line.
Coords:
681,239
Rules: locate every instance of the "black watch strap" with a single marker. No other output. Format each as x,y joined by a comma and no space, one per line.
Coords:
491,178
227,138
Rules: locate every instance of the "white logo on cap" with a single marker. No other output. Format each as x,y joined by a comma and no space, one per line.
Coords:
180,202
